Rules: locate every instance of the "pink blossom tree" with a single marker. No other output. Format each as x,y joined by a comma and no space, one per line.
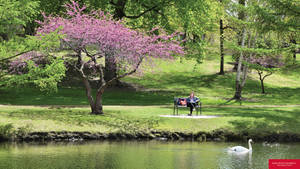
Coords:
265,66
95,35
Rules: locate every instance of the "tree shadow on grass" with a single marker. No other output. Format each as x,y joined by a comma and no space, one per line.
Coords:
224,85
282,95
76,96
257,120
169,85
189,80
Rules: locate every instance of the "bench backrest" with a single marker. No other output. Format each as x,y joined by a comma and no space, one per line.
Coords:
182,101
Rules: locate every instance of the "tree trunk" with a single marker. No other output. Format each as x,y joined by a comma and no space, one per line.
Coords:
294,51
238,92
221,48
110,70
262,86
4,36
119,9
241,16
241,42
238,82
97,109
261,81
30,28
262,78
184,38
96,106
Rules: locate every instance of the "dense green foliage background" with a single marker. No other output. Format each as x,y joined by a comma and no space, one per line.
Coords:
268,28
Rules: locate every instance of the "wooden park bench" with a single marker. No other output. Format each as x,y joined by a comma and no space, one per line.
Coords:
177,104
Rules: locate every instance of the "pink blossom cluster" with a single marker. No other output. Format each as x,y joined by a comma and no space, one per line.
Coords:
111,38
19,65
268,61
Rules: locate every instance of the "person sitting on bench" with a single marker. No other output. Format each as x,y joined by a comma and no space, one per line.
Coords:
192,102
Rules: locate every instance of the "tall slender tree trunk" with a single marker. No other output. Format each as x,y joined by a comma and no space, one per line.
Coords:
241,16
294,51
221,48
184,43
240,82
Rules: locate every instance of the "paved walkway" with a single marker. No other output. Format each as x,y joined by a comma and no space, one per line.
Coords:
190,117
137,106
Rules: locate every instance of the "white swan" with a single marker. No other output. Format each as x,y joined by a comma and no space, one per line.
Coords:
240,149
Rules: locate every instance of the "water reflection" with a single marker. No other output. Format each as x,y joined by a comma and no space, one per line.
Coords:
235,160
137,155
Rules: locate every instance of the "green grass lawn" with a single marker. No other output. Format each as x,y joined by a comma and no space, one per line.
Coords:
254,120
175,79
140,110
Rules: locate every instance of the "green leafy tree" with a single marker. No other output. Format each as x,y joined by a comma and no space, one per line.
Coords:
44,76
260,21
283,16
265,66
195,19
14,16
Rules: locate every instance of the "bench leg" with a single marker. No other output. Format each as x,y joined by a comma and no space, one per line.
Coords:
200,108
174,110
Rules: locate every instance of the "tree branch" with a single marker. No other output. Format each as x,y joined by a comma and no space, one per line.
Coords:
82,63
93,56
156,10
15,55
229,27
70,45
141,14
259,73
103,82
112,3
81,70
269,74
287,6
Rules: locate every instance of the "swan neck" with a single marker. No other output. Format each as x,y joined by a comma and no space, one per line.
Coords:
250,147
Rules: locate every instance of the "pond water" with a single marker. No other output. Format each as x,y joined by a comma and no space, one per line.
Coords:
140,155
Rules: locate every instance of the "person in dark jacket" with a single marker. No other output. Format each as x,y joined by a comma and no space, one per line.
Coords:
192,102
